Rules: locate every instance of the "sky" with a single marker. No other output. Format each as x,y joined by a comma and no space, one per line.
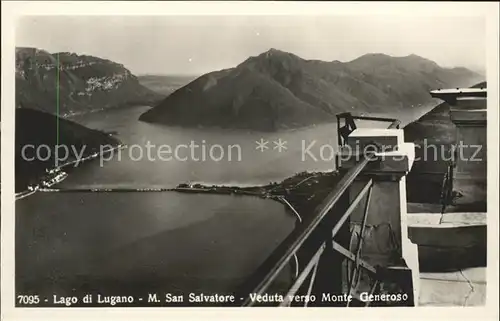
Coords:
194,45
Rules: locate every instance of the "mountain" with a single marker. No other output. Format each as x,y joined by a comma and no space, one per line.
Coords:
278,90
480,85
82,83
44,130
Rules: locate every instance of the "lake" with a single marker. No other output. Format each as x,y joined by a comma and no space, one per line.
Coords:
71,242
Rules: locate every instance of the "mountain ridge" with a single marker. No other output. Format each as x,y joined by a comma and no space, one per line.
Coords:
278,90
68,83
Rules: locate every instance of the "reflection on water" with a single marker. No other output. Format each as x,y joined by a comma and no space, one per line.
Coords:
164,240
248,165
172,236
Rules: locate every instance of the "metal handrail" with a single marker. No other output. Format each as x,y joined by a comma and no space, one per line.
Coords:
373,118
351,126
320,212
292,245
395,124
314,261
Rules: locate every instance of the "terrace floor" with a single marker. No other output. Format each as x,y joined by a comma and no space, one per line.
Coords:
462,288
450,241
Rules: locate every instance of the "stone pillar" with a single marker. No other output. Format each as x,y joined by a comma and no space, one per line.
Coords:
469,116
386,241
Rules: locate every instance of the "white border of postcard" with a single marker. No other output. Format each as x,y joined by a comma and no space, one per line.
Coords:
11,10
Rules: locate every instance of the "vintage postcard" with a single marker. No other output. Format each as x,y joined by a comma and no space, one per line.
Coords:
171,156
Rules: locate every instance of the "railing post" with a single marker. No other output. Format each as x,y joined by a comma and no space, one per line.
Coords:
385,239
329,279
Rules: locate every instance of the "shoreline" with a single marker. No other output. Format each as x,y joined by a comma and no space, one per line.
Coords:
58,169
299,194
262,191
70,116
403,112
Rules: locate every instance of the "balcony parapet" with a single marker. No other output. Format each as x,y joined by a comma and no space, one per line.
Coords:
386,231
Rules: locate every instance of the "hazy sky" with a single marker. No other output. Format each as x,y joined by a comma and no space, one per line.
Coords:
199,44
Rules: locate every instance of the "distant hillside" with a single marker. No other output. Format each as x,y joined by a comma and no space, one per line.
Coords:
163,84
480,85
85,83
278,90
39,128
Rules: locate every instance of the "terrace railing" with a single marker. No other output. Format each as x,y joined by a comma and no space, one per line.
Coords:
346,124
337,269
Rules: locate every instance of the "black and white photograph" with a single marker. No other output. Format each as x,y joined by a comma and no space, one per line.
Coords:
250,160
